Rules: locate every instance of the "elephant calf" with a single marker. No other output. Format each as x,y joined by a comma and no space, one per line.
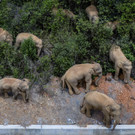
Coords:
22,36
121,62
78,72
98,101
66,12
112,25
5,36
92,13
16,86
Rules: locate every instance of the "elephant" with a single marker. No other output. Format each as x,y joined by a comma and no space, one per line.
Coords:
5,36
121,62
78,72
92,14
16,86
22,36
112,25
99,101
66,12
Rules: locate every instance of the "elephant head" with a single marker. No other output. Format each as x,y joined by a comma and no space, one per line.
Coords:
24,87
97,71
114,112
127,67
95,19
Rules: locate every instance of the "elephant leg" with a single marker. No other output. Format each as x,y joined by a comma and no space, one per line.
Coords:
24,97
88,82
117,69
88,112
83,109
17,44
74,85
69,88
15,95
39,50
125,76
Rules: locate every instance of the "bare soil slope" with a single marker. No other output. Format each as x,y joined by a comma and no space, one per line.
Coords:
58,107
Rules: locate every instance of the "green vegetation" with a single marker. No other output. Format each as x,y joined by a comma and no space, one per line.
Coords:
28,48
12,63
70,42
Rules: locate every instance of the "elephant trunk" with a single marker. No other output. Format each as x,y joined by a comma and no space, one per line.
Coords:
97,81
114,125
127,79
27,95
116,121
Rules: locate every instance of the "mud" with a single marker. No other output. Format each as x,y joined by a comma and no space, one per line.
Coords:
56,107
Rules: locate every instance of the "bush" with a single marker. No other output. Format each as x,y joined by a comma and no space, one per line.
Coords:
72,42
12,63
68,50
28,48
44,68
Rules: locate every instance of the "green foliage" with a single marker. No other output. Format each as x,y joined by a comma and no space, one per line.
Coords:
45,64
28,48
59,21
99,38
68,50
127,47
108,9
132,32
72,42
12,62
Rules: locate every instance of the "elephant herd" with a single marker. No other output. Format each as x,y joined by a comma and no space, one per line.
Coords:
92,14
92,100
96,100
5,36
85,71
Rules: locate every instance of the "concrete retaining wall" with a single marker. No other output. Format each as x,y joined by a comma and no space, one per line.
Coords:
66,130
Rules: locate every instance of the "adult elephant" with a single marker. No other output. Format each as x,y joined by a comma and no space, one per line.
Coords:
121,62
81,71
23,36
99,101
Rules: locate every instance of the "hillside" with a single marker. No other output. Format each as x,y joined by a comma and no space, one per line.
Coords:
66,41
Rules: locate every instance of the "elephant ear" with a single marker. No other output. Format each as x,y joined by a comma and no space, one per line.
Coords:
91,71
109,108
20,87
127,64
97,68
3,36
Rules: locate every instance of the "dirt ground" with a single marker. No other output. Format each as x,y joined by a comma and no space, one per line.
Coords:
57,107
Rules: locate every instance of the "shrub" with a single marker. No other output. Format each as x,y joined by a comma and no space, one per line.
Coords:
44,68
72,42
12,62
29,49
68,50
